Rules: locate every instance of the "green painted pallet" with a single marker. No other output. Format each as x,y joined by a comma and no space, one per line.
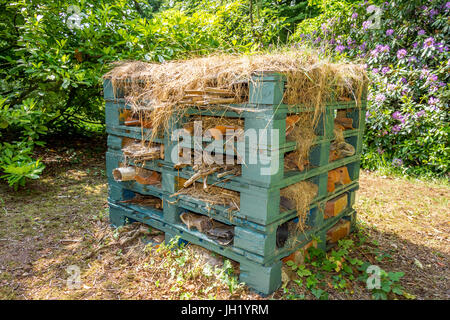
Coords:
220,213
250,237
259,217
258,272
258,204
267,115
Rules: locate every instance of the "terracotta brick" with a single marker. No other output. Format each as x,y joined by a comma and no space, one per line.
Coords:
339,231
298,256
335,206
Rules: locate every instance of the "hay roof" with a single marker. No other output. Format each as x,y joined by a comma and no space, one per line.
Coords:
160,87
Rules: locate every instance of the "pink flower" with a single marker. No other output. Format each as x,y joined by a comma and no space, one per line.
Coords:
432,78
380,97
433,101
366,24
396,128
340,48
421,113
429,42
401,53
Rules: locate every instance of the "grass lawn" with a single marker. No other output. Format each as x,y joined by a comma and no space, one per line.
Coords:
61,220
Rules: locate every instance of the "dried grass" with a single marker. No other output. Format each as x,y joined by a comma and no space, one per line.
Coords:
213,195
158,89
303,133
302,193
140,152
212,122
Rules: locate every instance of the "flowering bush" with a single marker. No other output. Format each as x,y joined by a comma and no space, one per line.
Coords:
404,45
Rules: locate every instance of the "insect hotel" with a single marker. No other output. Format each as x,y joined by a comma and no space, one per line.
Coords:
252,157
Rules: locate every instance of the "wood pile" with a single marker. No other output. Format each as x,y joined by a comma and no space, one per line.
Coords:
208,96
139,152
203,170
213,196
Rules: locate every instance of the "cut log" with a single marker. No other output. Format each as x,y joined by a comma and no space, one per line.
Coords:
132,122
124,174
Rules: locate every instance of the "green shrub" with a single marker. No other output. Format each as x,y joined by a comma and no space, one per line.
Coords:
407,57
22,126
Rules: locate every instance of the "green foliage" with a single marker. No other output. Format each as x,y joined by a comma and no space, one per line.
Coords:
183,264
17,164
407,56
54,53
57,51
337,269
21,126
388,283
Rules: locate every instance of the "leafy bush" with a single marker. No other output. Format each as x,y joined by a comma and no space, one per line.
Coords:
17,164
57,52
408,59
22,126
54,55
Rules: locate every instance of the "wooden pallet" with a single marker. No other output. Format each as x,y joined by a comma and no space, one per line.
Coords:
259,216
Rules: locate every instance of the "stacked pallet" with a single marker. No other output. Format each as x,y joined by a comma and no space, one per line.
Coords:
251,222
